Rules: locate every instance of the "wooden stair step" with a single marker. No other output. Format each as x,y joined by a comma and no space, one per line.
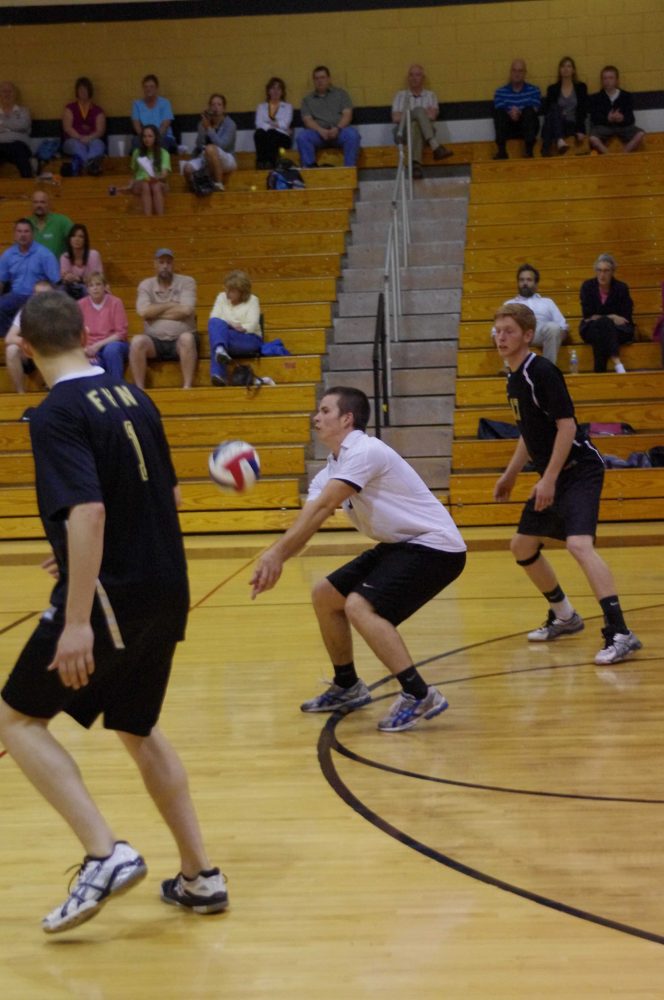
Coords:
473,455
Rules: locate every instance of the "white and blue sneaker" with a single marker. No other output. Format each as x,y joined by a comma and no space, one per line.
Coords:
617,646
553,627
407,711
96,881
339,699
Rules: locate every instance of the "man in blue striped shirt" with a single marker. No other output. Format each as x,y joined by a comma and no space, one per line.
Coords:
515,111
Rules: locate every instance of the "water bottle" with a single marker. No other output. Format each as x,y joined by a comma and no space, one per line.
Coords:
573,363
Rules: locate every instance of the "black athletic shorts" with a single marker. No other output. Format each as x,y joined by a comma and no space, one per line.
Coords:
166,350
398,578
127,686
575,508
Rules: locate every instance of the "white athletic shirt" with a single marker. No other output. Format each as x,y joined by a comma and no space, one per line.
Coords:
392,503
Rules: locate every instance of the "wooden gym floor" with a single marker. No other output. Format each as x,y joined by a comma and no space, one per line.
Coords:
512,850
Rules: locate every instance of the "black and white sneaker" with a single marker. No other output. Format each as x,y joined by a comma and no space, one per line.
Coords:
97,880
205,893
221,355
553,627
617,646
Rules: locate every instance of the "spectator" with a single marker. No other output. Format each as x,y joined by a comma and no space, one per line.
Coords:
17,361
51,229
15,126
155,110
150,166
606,308
215,143
22,266
327,113
84,127
612,113
234,327
273,124
552,328
78,261
167,304
515,110
423,106
106,326
565,109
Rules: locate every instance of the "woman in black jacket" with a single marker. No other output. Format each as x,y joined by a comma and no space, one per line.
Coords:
606,307
565,109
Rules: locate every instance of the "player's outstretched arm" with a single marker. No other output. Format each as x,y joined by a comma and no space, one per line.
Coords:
505,485
313,514
85,544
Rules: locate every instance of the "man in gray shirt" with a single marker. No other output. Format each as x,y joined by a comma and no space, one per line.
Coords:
326,115
167,305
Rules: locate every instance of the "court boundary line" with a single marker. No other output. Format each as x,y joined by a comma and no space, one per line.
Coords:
327,742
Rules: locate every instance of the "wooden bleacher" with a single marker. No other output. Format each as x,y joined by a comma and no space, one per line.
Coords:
558,214
291,244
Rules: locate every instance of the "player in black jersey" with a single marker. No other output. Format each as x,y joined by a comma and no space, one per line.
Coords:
565,502
106,491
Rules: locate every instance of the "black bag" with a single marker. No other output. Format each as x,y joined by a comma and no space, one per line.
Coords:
494,430
244,376
656,456
201,183
284,177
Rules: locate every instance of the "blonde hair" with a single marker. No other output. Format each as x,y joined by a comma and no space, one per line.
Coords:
96,275
522,315
241,281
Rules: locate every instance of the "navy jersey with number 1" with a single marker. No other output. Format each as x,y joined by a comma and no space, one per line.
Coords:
98,440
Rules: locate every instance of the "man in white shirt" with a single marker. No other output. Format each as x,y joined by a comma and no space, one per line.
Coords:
420,553
423,106
552,328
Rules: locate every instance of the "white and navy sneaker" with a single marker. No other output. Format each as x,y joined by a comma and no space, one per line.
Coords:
617,646
337,698
554,627
221,355
97,880
407,711
205,893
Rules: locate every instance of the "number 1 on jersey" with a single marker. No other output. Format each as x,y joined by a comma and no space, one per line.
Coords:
131,434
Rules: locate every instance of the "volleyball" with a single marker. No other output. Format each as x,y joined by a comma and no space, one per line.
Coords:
235,466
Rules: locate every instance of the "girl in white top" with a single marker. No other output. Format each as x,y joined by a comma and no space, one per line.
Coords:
273,125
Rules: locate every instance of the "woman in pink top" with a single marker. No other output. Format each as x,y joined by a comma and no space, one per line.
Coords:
78,261
106,327
83,127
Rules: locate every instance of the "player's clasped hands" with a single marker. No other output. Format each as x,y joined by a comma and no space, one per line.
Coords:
73,657
266,574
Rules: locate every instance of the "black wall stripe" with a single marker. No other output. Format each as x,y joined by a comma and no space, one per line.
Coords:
191,9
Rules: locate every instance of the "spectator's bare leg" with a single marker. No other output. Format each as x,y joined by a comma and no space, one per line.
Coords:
186,348
140,349
597,144
14,364
635,142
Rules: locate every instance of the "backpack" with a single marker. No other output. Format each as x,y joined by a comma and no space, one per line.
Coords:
244,376
284,177
201,183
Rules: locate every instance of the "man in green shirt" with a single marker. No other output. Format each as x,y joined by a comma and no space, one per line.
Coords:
326,115
50,228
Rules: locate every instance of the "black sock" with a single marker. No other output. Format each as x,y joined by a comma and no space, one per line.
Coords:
344,675
613,615
413,683
556,595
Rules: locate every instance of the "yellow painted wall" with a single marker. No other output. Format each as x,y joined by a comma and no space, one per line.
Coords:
465,49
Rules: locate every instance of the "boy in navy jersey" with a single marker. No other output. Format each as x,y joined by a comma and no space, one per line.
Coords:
565,502
107,492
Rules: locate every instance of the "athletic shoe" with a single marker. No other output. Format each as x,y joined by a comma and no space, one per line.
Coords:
441,153
218,380
221,355
98,879
337,698
416,170
218,186
205,893
553,627
617,646
407,711
619,368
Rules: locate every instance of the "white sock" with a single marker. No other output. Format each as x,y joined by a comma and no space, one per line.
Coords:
563,610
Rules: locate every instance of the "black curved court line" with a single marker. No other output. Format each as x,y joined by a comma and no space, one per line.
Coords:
327,743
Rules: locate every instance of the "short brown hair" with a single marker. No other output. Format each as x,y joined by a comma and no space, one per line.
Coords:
241,281
522,315
351,400
52,323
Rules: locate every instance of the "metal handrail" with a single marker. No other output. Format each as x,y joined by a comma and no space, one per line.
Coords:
380,386
398,237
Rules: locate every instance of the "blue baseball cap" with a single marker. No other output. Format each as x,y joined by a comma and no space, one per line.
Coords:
164,252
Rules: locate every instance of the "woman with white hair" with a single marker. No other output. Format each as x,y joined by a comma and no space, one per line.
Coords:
606,308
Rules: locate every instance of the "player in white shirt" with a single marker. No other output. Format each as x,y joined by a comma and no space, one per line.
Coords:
420,553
